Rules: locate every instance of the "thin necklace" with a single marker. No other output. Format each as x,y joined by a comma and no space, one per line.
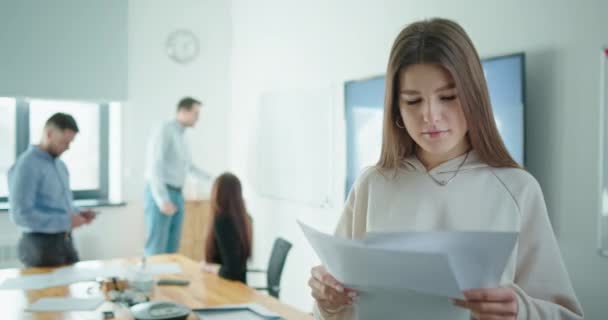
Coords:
445,182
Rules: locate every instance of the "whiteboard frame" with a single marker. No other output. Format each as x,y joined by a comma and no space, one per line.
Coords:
602,214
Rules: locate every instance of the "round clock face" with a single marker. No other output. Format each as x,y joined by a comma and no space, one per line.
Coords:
182,46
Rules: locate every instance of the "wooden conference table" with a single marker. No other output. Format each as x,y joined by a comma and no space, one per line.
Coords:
204,290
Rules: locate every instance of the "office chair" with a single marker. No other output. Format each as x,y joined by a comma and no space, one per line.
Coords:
280,249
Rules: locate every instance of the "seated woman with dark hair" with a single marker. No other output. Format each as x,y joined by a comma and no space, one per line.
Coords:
228,245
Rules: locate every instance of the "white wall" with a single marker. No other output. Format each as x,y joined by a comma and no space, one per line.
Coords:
284,45
155,85
45,56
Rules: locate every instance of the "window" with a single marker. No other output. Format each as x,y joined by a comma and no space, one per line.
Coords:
7,141
83,155
87,158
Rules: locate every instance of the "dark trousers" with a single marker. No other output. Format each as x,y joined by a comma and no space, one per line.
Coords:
46,250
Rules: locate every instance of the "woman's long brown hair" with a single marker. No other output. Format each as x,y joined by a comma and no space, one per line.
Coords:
227,199
445,43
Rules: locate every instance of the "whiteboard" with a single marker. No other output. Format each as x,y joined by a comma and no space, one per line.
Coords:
293,148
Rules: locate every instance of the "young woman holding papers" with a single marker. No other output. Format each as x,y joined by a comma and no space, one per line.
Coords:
443,166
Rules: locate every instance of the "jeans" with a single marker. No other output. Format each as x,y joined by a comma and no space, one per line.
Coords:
163,232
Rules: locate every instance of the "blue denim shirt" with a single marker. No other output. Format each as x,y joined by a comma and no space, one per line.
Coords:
169,161
40,198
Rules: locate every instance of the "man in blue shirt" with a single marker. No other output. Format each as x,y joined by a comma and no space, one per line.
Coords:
168,163
41,201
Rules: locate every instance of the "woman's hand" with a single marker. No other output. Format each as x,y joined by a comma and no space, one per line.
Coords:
490,304
330,295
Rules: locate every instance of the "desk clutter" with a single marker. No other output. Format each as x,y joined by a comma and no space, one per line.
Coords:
130,288
124,285
136,291
133,294
73,274
127,287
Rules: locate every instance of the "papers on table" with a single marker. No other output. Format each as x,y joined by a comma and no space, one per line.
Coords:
65,304
72,274
29,282
248,311
414,272
162,268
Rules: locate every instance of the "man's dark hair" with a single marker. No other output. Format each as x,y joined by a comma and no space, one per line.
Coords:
62,121
187,103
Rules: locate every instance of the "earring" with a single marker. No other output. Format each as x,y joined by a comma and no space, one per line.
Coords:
399,125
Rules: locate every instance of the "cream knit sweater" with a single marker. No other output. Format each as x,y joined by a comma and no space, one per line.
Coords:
478,198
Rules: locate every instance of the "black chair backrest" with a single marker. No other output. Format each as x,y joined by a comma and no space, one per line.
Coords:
280,249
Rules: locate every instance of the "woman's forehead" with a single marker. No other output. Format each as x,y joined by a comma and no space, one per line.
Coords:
425,76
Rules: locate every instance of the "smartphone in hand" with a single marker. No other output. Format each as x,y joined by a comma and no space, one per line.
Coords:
89,214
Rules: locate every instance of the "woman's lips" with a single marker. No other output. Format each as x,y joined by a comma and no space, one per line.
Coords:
435,133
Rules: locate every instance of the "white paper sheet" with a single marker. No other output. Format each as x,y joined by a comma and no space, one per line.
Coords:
29,282
406,304
162,268
478,259
65,304
363,267
413,273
